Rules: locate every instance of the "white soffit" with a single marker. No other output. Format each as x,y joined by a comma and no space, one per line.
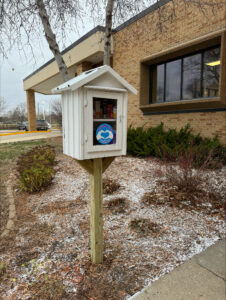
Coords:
90,75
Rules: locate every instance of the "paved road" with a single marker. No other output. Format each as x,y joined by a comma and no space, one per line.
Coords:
24,136
8,131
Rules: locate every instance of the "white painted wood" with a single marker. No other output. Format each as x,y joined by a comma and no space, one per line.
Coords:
106,80
124,129
105,88
89,120
77,109
63,122
81,123
71,120
104,120
90,75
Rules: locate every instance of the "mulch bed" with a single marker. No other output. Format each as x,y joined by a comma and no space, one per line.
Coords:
149,229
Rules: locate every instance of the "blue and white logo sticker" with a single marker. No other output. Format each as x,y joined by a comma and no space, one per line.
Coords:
104,134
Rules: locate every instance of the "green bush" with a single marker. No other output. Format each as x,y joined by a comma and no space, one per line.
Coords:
171,144
34,178
35,168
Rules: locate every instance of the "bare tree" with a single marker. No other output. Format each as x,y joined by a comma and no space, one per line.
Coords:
18,114
20,25
2,105
108,32
56,111
115,12
20,20
51,39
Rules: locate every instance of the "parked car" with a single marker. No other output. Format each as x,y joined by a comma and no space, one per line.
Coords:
49,125
42,125
23,126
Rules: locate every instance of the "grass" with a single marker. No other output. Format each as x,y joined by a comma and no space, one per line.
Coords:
10,152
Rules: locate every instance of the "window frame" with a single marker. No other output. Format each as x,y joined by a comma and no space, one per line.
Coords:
181,57
91,94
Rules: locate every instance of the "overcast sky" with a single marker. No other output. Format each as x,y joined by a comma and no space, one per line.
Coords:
14,69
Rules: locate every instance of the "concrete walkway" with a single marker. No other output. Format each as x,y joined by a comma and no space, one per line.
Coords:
202,277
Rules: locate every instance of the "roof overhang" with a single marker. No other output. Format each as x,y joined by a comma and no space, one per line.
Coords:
89,48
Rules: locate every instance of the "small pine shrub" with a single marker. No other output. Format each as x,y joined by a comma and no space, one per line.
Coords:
171,144
33,179
35,168
145,142
44,155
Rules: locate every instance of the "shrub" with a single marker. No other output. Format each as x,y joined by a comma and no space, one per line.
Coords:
171,144
186,179
145,142
34,178
186,182
35,168
40,155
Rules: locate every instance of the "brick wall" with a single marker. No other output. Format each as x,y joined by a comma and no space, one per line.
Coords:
145,37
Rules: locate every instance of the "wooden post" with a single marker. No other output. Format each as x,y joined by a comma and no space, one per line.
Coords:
96,208
96,167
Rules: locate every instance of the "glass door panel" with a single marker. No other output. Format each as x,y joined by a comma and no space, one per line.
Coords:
104,121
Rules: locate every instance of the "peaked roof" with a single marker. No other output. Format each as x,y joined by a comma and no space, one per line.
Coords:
90,75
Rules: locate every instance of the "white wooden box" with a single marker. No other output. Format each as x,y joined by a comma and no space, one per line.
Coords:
94,109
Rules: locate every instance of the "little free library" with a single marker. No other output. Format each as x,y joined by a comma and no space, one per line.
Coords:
178,67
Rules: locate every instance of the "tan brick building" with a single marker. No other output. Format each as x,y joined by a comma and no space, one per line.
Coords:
175,56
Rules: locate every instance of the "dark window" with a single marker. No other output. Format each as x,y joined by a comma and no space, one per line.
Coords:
160,83
211,72
189,77
173,80
192,77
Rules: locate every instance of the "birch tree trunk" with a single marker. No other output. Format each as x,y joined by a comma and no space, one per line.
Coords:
51,39
108,32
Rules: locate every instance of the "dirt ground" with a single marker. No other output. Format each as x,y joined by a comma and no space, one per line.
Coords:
149,229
